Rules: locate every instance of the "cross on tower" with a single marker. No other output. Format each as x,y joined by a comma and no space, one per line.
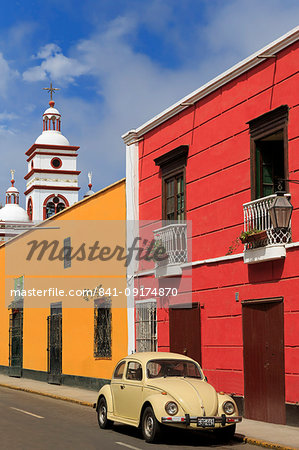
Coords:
51,90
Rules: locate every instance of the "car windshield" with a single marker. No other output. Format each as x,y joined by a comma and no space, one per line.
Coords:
159,368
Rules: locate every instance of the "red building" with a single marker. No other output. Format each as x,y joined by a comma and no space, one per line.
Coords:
217,158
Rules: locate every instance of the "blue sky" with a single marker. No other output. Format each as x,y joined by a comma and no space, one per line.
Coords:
118,63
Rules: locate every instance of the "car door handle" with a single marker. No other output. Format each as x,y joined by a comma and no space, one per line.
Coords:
122,386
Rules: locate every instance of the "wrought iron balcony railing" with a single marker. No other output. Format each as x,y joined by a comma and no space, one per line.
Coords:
174,239
257,217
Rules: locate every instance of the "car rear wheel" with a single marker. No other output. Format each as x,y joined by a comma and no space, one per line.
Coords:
226,433
103,421
151,428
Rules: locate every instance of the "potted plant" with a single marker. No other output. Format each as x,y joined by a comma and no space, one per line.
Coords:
253,235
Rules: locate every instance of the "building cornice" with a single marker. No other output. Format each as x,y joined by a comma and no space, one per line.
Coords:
130,137
36,152
50,146
222,79
51,188
56,171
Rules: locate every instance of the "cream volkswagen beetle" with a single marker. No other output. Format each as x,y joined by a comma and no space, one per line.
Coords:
151,389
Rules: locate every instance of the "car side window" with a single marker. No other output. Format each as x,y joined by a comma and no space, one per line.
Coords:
119,371
134,371
154,369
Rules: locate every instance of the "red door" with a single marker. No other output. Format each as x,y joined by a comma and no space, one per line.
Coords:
264,372
184,331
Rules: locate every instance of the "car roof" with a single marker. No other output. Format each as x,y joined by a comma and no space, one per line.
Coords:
143,357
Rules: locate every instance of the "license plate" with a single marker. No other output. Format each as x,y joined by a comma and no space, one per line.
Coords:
205,422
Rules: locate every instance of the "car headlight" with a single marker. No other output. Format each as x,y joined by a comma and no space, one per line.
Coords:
171,408
228,408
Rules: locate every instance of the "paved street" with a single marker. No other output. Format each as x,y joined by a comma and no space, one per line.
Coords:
29,421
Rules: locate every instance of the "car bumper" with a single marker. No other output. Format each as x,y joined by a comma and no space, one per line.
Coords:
188,420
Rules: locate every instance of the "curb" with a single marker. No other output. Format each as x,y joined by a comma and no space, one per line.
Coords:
46,394
261,443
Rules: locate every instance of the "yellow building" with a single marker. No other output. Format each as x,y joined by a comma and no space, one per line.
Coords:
63,311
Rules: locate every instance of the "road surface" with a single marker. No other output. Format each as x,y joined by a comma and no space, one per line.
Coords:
29,421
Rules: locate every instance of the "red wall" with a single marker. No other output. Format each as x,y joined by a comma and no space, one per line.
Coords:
217,184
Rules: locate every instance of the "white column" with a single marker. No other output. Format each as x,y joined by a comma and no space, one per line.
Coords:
132,207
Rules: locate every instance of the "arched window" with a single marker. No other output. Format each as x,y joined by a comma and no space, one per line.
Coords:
30,208
12,198
54,204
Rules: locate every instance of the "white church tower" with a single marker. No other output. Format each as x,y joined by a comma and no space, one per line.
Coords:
52,178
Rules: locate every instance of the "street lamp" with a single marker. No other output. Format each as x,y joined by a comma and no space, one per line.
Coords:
281,211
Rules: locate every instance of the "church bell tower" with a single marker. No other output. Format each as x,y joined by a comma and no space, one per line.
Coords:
52,178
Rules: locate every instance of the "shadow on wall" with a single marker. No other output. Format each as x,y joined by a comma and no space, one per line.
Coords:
267,271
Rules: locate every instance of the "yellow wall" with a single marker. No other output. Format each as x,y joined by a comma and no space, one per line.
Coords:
4,314
77,323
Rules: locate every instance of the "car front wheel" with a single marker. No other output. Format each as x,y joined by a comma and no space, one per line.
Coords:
226,433
151,428
104,422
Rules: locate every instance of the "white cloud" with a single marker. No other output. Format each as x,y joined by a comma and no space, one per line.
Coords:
7,116
17,40
54,65
47,50
243,27
6,74
59,67
36,73
4,130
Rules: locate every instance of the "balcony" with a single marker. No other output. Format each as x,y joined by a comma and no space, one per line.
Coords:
174,239
272,245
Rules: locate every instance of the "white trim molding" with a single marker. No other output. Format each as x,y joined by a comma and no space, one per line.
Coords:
220,259
292,245
267,253
213,260
193,263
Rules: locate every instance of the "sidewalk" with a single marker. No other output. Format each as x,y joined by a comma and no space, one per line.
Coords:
263,434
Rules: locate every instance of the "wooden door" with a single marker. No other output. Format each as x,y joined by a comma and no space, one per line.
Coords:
184,331
264,373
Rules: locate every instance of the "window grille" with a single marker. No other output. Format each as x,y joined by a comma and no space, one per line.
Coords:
146,326
102,328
